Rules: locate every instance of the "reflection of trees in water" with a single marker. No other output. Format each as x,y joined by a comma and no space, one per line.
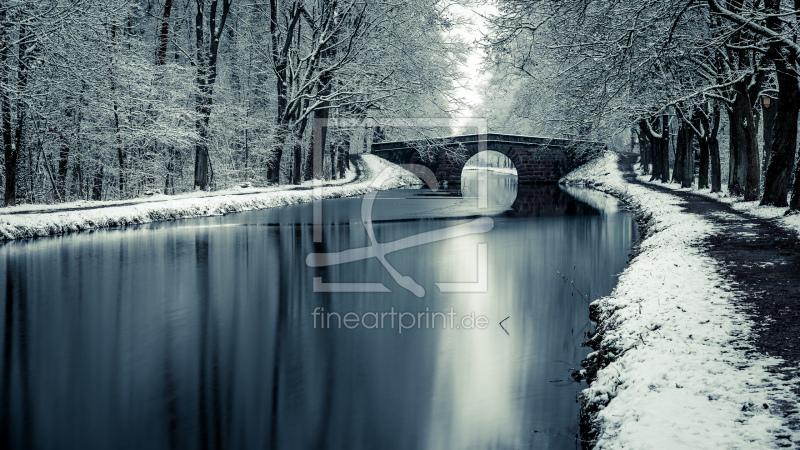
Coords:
280,327
501,188
209,397
327,350
292,349
15,337
547,200
324,379
525,199
170,392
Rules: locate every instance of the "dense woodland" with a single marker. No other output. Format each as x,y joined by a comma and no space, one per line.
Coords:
112,99
709,88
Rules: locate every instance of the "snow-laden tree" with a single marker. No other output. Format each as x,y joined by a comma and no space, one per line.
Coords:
610,64
119,98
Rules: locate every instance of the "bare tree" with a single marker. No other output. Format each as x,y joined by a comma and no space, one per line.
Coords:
207,54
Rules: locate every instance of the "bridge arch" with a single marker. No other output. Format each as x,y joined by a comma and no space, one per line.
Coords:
502,188
492,160
455,169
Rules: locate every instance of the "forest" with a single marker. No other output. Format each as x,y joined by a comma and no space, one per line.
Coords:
707,88
114,99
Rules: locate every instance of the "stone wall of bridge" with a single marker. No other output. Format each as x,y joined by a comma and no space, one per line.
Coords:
537,160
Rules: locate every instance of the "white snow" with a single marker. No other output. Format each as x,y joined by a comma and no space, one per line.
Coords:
505,170
47,220
680,376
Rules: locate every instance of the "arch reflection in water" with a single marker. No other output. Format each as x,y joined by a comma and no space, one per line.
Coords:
492,174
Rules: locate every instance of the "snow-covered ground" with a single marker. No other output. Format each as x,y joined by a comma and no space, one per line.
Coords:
506,170
675,373
27,221
767,212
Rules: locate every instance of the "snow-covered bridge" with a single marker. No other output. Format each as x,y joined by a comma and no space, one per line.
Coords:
537,159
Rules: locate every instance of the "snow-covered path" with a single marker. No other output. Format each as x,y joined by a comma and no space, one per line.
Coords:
677,366
28,221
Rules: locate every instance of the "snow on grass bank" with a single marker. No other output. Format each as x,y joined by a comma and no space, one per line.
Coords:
505,170
28,221
753,208
674,371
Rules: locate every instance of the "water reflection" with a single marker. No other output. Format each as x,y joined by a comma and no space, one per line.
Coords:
201,334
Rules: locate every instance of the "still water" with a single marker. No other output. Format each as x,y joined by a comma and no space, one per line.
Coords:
208,333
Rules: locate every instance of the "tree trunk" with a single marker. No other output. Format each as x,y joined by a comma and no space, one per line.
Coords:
274,162
644,147
97,188
120,149
161,60
318,137
163,35
656,150
297,161
664,148
655,145
681,154
747,177
702,179
334,152
784,137
733,154
24,57
711,125
344,153
794,204
716,166
633,139
206,77
63,164
297,152
201,179
115,107
280,54
9,149
202,105
297,157
320,133
687,163
769,113
77,178
169,180
700,122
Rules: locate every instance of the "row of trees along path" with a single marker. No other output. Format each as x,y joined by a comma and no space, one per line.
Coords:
705,85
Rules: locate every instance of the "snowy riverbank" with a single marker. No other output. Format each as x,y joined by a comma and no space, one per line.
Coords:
674,367
791,222
27,221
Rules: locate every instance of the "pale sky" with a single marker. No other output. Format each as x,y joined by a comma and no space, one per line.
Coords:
472,33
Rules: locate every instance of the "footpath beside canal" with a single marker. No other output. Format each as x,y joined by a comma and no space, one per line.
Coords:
696,347
29,221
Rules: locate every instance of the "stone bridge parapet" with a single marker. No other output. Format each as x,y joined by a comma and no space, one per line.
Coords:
537,160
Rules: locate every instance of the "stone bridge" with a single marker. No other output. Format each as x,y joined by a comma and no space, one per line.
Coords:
537,160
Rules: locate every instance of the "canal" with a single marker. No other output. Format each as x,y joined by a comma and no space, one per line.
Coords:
218,332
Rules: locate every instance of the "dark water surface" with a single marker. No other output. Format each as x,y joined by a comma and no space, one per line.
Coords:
202,334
